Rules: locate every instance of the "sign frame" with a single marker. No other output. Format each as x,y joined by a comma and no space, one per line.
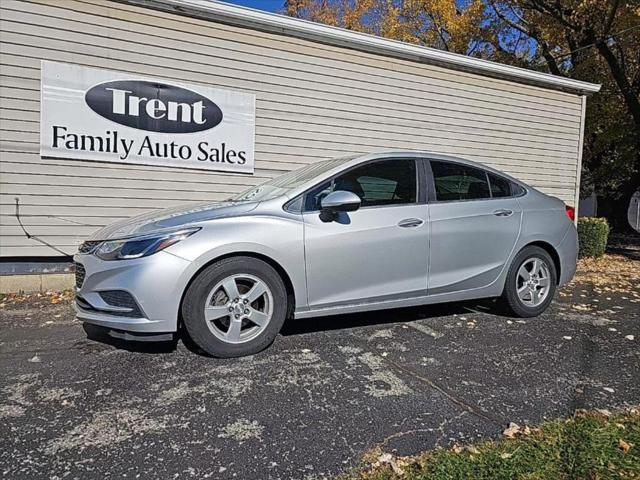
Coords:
101,115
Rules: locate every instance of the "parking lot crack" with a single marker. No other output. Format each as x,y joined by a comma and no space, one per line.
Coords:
457,401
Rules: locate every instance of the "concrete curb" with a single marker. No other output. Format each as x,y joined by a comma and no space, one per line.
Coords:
36,283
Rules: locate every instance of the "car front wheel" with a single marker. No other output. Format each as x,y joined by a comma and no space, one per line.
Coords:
530,283
235,307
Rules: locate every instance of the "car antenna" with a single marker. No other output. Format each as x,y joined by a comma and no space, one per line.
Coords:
33,237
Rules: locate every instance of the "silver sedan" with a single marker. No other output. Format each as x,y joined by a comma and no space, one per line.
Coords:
346,235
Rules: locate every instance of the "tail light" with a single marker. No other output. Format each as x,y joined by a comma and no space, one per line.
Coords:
571,212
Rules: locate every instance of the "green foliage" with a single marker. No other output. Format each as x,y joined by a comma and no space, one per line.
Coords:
586,446
593,233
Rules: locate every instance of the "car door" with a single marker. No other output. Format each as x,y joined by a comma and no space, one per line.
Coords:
474,225
377,252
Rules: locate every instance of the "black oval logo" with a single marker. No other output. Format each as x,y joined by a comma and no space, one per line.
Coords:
153,106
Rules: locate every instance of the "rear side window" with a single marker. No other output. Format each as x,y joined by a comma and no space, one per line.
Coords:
500,187
388,182
517,190
455,181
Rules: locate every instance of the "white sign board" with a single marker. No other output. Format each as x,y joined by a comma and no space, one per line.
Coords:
93,114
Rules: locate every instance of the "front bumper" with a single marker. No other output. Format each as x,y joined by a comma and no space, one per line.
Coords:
154,283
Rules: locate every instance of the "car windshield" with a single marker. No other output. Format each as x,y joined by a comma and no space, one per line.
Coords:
288,181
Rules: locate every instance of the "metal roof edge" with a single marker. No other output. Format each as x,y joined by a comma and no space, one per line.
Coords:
256,19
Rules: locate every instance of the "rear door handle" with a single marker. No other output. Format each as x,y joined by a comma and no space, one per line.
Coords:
410,222
503,212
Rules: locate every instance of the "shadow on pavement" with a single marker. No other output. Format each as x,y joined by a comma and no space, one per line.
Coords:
101,335
627,245
381,317
299,327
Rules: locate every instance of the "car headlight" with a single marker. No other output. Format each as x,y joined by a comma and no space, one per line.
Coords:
142,246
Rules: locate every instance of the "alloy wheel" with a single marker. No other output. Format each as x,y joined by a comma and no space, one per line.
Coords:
533,282
238,308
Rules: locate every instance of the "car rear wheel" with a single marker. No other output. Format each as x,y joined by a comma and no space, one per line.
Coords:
530,283
235,307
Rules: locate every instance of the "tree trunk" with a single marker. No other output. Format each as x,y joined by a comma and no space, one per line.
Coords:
629,95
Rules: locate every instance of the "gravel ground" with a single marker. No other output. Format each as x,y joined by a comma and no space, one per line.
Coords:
309,407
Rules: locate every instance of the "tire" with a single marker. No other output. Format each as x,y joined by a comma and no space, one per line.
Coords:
512,300
220,336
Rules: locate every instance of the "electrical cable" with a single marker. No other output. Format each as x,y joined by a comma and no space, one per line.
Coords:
33,237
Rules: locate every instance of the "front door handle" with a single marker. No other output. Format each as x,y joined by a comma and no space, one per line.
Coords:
410,222
503,212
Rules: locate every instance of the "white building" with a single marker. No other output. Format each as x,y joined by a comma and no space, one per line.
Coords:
319,92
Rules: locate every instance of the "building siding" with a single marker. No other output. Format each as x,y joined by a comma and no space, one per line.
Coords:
313,101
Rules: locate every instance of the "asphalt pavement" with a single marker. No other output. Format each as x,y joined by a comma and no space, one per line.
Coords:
309,407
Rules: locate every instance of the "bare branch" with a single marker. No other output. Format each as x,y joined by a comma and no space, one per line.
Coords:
507,20
555,12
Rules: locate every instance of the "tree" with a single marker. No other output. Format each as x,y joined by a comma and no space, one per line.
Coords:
444,24
596,41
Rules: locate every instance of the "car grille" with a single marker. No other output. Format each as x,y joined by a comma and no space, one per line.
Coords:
80,274
88,246
122,299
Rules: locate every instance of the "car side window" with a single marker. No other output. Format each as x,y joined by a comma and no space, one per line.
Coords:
500,187
387,182
517,190
455,181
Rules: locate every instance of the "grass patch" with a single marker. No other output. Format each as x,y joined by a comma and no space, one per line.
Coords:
588,446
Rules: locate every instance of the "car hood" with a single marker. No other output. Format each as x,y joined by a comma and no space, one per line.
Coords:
172,218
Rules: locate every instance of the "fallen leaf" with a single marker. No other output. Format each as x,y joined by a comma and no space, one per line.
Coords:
624,446
629,337
608,389
506,455
581,307
511,430
567,337
35,359
387,458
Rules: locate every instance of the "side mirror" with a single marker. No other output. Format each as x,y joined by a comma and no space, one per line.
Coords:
338,201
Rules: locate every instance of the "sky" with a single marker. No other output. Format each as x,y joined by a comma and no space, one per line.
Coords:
268,5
